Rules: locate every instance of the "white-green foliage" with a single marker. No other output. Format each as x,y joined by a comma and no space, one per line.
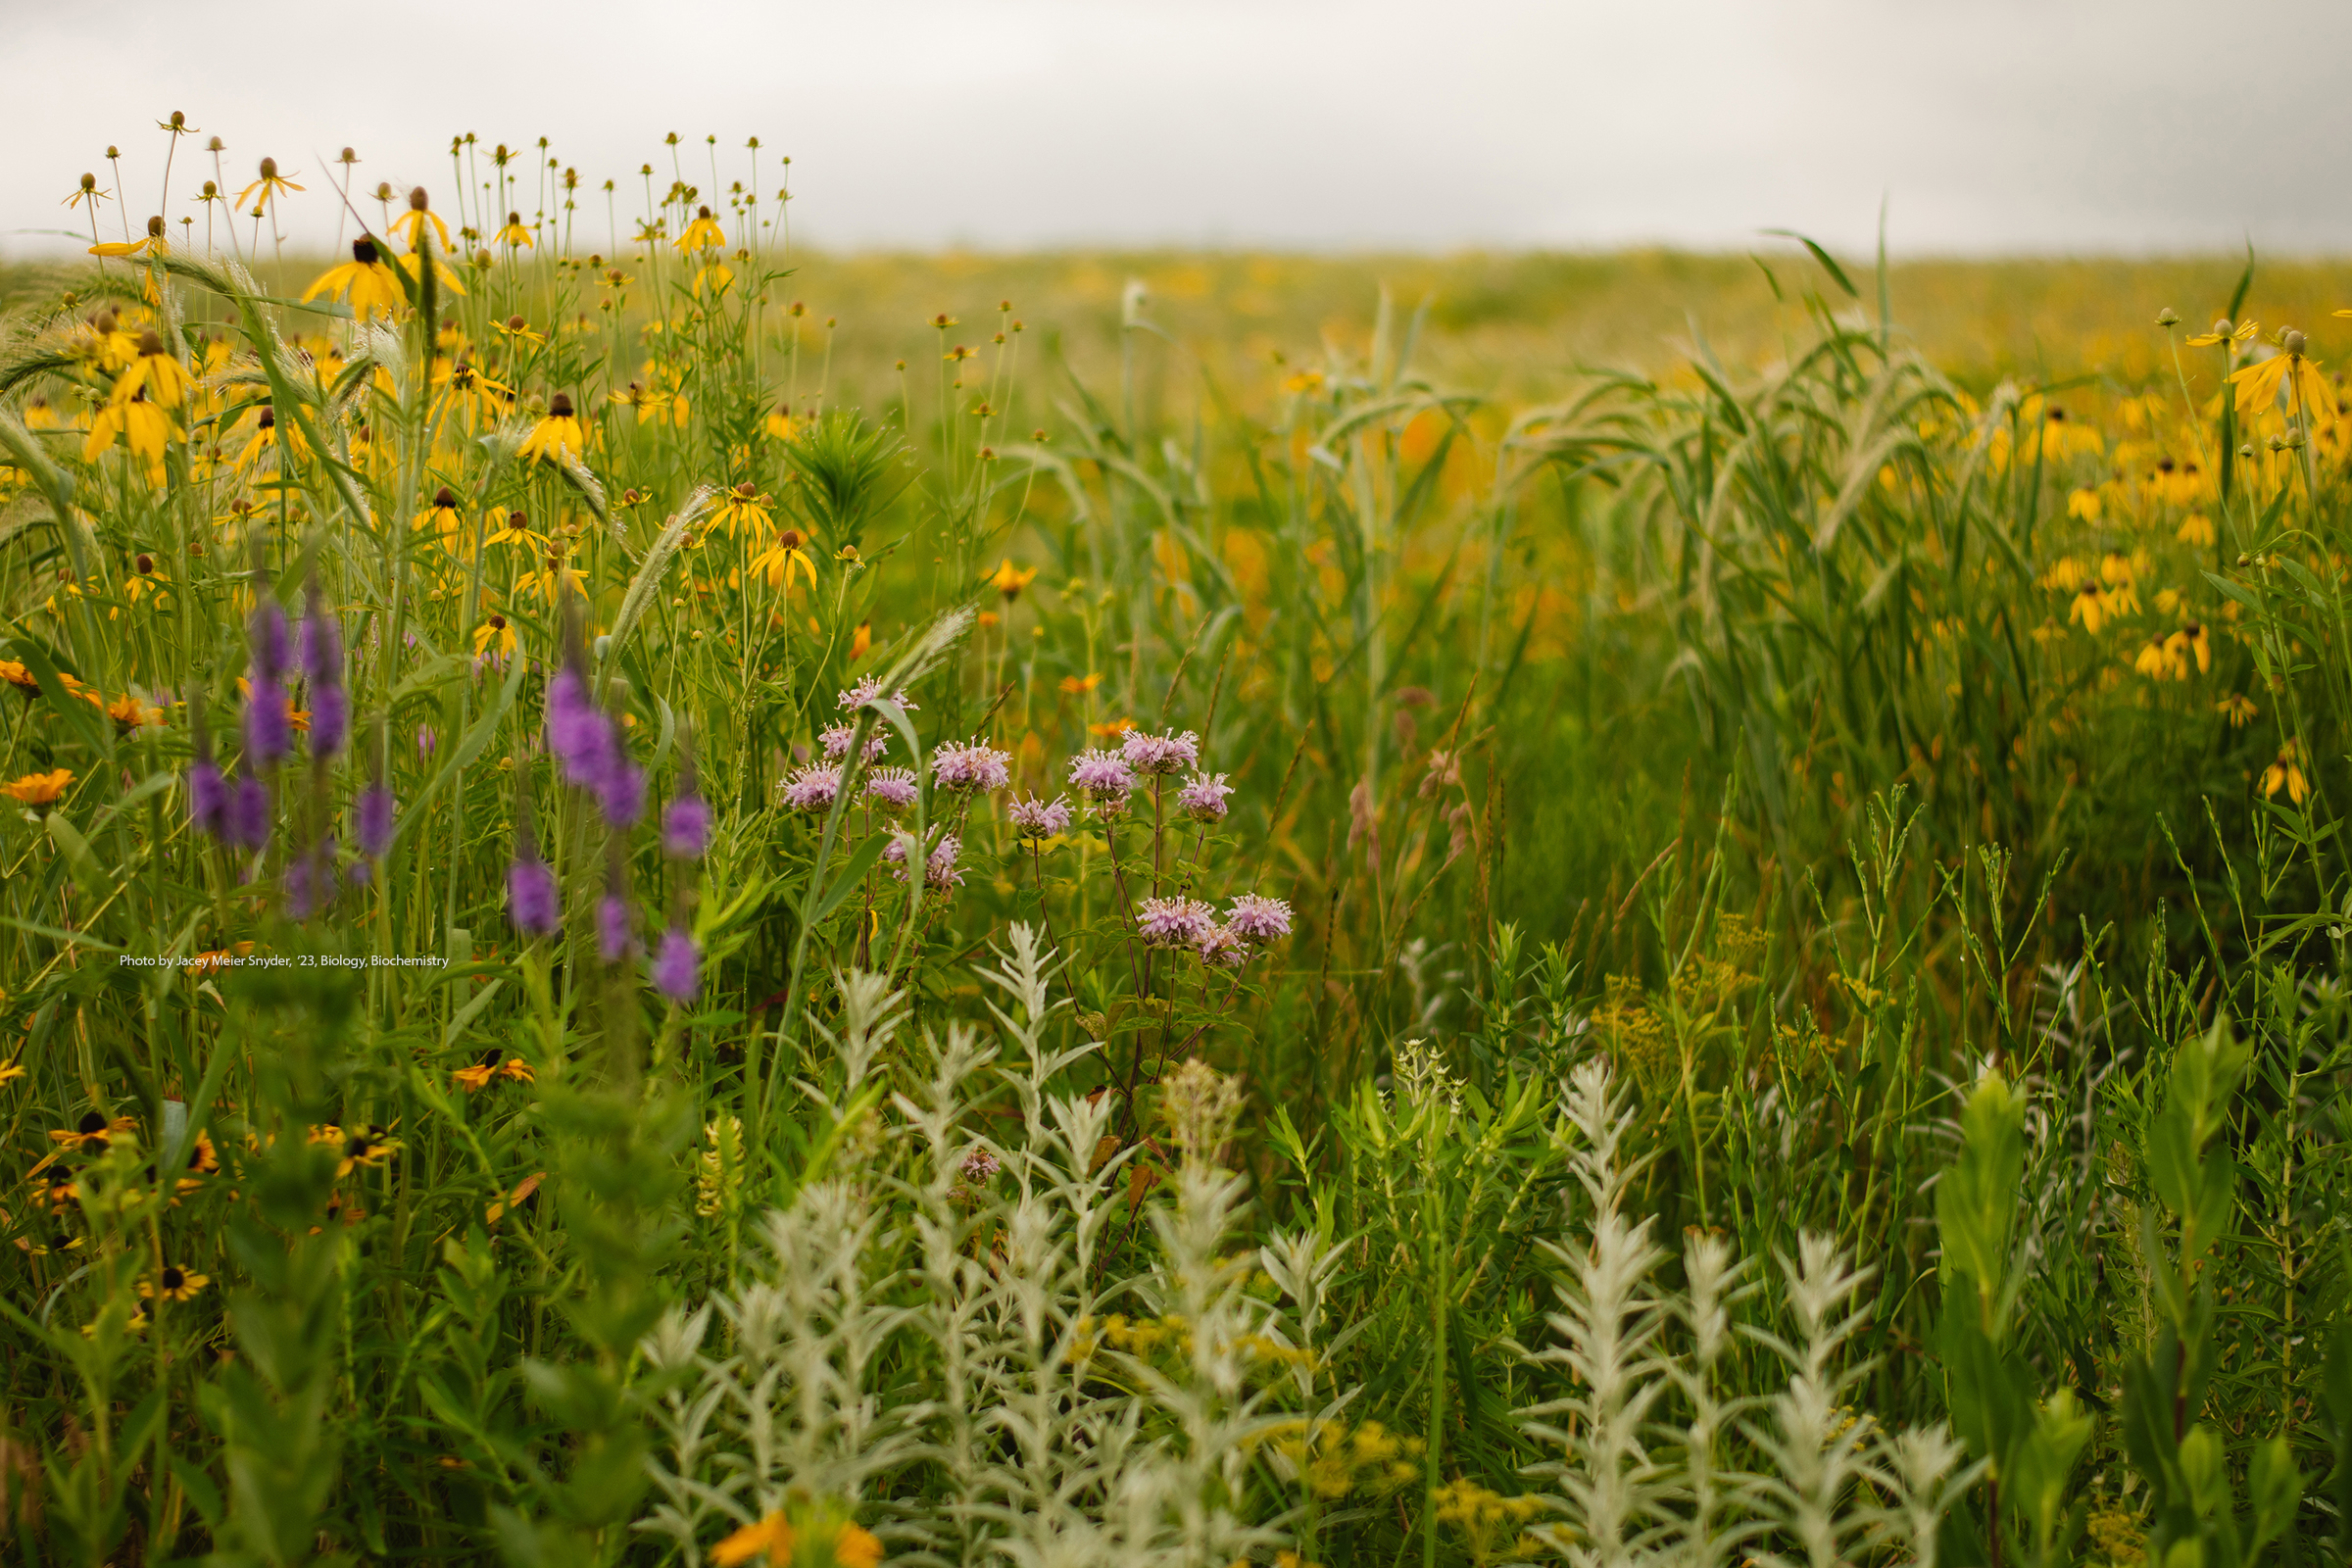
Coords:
1047,1444
1658,1462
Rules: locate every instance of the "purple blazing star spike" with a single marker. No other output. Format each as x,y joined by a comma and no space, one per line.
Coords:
580,737
1160,753
677,966
686,828
322,645
612,936
374,821
1102,777
1174,922
967,768
266,636
1203,798
268,732
1259,920
811,789
331,719
249,813
893,789
620,790
209,800
310,881
1034,818
531,898
835,743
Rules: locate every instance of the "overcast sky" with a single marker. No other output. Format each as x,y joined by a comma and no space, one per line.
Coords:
1987,126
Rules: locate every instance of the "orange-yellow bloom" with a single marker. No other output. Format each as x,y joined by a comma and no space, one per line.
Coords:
39,789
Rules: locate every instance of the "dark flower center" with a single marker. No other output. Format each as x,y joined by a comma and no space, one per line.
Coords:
363,251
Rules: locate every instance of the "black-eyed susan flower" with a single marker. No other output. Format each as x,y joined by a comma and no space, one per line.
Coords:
1010,580
40,791
371,287
173,1282
557,436
26,683
370,1148
785,561
132,715
10,1072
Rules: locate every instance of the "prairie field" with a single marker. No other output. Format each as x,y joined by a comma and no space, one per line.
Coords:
682,900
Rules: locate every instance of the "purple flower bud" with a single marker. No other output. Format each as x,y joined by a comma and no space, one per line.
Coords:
686,828
249,813
1261,919
1203,798
893,789
531,897
1035,818
208,800
1174,922
427,740
268,732
375,821
835,743
675,967
265,637
1102,777
811,789
612,940
966,768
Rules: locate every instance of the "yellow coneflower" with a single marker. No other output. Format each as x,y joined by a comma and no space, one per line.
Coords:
515,234
2196,529
2224,332
155,244
507,527
173,1284
704,234
2239,709
516,1070
270,186
143,425
1079,685
2286,773
785,561
87,192
480,398
521,1195
1110,730
494,633
2259,384
2152,661
40,791
442,518
742,507
11,1072
549,581
410,226
372,287
154,372
557,436
1010,580
770,1537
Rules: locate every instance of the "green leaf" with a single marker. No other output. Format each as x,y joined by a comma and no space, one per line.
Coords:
853,871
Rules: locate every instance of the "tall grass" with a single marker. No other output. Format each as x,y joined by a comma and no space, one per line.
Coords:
632,941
